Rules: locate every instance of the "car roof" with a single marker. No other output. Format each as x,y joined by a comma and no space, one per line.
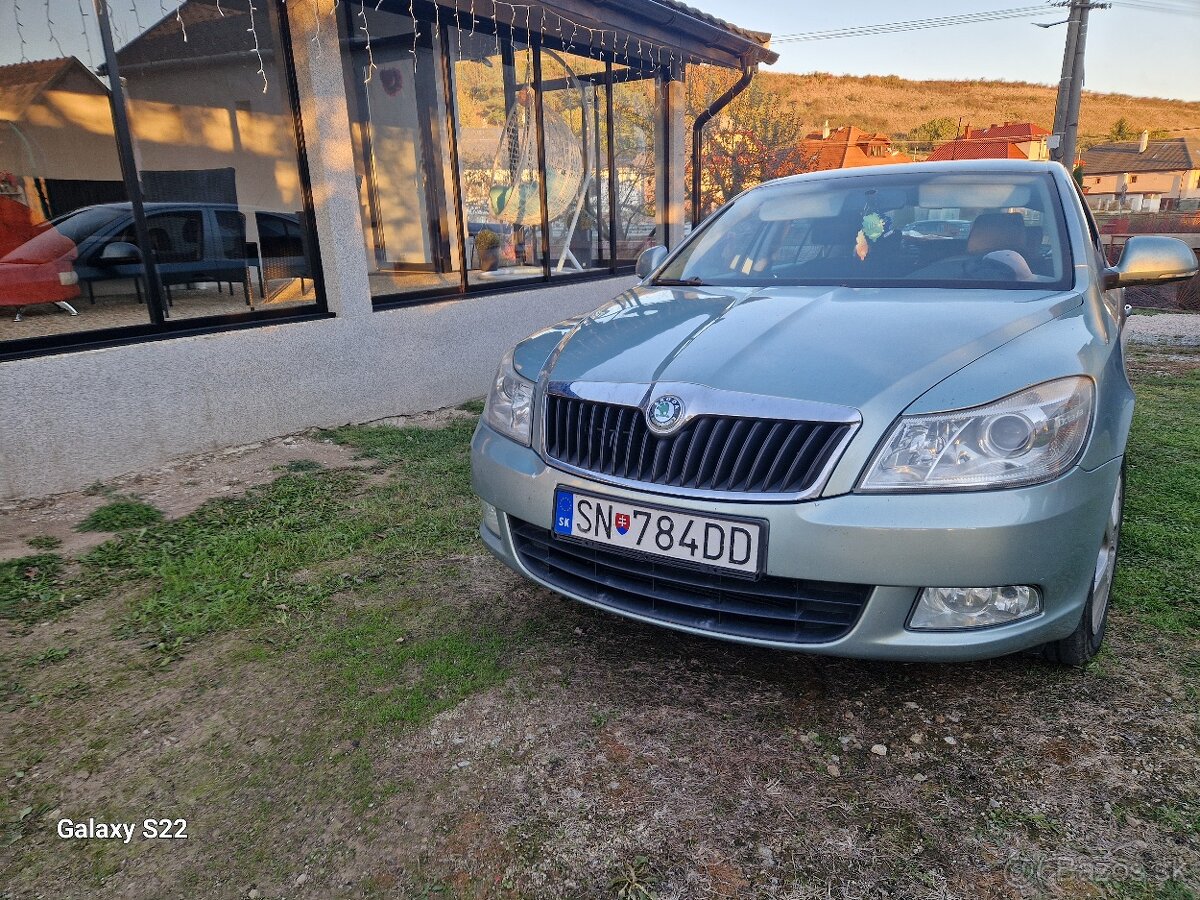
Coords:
159,205
966,166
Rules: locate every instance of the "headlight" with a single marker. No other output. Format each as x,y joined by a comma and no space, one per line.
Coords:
1025,438
509,407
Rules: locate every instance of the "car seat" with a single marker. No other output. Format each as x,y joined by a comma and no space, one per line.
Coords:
996,231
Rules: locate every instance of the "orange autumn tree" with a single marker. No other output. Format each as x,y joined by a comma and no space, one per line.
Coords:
759,136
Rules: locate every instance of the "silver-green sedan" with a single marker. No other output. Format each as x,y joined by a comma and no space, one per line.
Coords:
808,429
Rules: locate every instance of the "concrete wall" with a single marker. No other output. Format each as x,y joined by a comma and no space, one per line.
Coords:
69,419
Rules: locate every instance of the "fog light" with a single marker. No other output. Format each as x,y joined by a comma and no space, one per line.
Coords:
976,607
491,519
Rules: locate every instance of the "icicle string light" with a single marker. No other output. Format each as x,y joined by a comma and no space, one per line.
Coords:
253,29
53,29
87,38
20,29
317,48
416,28
635,51
365,29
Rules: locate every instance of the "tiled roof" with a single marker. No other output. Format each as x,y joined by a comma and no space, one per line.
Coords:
1018,132
963,149
993,142
759,37
847,147
1178,154
22,83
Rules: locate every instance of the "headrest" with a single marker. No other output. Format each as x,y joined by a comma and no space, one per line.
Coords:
996,231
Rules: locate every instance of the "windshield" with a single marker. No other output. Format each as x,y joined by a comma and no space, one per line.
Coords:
84,223
960,230
47,242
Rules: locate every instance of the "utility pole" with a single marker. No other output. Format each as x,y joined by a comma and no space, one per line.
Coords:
1070,85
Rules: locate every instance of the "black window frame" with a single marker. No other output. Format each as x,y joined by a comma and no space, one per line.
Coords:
168,328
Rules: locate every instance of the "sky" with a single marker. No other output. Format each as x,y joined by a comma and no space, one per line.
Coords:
1130,50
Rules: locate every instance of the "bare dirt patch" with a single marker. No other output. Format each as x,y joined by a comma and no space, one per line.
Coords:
1162,362
176,489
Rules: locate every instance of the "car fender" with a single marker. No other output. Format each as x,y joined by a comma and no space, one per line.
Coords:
1072,344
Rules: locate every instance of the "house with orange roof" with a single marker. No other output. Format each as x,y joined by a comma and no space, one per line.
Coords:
1012,140
849,147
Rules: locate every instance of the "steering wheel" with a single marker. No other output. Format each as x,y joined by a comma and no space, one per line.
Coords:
989,268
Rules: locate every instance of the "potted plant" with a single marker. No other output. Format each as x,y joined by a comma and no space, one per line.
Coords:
487,245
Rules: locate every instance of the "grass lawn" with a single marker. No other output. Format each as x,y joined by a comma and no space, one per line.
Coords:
343,695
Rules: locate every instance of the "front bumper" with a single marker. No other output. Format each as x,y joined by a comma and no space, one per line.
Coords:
1046,535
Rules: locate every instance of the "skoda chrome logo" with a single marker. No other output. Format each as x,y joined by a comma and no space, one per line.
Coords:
665,413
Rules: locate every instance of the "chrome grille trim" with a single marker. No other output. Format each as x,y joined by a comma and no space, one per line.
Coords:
730,445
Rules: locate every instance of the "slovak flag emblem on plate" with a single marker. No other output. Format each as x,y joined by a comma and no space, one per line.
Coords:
622,523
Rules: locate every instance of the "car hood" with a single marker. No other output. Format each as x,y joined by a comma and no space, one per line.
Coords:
872,349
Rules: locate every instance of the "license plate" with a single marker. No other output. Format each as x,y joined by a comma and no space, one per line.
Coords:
735,545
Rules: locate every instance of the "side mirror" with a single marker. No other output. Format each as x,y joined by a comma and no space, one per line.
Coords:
119,252
651,258
1151,259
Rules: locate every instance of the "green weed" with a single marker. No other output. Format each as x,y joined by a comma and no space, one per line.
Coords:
120,515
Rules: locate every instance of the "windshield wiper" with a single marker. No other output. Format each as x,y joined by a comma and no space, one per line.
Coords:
681,282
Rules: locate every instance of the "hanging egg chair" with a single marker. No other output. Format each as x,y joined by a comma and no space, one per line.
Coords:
515,197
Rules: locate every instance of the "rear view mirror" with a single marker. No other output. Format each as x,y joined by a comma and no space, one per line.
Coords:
119,252
1151,259
650,259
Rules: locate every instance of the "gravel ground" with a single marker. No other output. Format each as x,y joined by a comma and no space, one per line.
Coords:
1182,329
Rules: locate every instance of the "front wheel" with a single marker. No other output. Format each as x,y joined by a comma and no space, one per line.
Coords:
1077,648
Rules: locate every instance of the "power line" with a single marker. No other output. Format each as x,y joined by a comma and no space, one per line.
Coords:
1158,6
913,24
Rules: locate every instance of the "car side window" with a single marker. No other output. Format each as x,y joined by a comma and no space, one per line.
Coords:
277,237
1111,298
175,237
231,228
1091,221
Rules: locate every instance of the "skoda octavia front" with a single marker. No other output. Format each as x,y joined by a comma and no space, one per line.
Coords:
808,428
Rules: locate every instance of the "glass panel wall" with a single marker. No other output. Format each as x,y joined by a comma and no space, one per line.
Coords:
61,193
489,154
575,113
216,149
396,90
635,105
210,133
500,182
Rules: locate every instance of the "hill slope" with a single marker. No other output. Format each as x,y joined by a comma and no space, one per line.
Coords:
896,105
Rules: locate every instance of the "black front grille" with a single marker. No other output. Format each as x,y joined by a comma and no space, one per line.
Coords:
783,610
722,454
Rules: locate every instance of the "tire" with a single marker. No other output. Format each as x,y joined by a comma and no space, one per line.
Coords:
1078,648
